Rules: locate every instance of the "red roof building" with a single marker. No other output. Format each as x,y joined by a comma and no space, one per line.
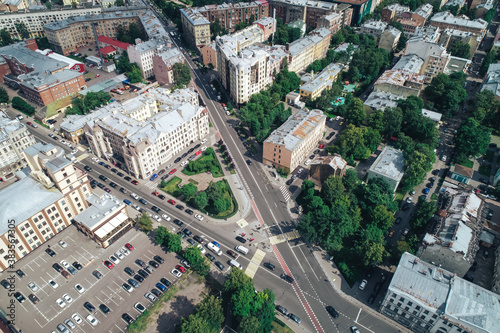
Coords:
108,41
108,50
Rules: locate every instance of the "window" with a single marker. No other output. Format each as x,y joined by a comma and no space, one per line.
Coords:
426,312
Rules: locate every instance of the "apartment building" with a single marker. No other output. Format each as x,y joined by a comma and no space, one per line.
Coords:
393,11
313,85
230,14
38,206
209,55
310,11
292,142
389,39
195,27
35,20
380,100
492,81
65,36
389,166
360,8
14,139
163,65
306,50
426,298
333,22
142,54
435,57
446,20
374,28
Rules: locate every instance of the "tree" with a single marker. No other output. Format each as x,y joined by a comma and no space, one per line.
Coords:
196,260
134,75
376,121
119,3
459,49
221,205
393,118
173,243
242,299
213,191
425,210
4,96
22,30
472,140
350,179
372,252
145,223
189,190
356,114
250,324
5,37
195,324
211,310
236,279
20,104
42,43
266,313
201,200
331,189
372,139
382,218
182,74
447,92
161,235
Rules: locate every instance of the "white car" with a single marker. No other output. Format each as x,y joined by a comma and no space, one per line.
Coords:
77,318
135,206
61,303
363,284
443,158
124,251
150,297
95,159
198,217
119,255
92,320
53,284
184,163
67,298
202,249
157,218
300,170
409,199
176,273
33,286
79,288
114,260
203,148
203,141
168,166
70,324
128,287
64,263
74,151
62,141
63,244
307,162
166,217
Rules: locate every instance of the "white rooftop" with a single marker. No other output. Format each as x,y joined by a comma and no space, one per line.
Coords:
390,164
101,206
448,18
380,100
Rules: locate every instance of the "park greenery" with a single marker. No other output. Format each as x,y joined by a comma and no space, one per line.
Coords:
182,75
207,163
208,317
20,104
472,140
255,309
167,239
285,34
129,35
82,105
459,49
486,110
264,112
446,93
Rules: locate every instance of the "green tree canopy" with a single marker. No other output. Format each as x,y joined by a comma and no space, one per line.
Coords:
189,190
22,30
472,140
198,263
182,74
459,49
145,223
4,96
356,113
201,200
331,189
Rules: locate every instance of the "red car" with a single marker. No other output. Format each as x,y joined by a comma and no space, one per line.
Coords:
155,193
97,75
321,146
172,171
170,201
198,152
108,264
29,123
180,268
129,246
135,182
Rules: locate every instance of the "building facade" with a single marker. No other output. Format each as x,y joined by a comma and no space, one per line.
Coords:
446,20
142,54
14,139
389,39
435,57
306,50
313,85
293,141
163,65
230,14
388,166
195,27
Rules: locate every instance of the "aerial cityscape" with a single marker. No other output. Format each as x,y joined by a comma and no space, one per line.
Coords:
273,165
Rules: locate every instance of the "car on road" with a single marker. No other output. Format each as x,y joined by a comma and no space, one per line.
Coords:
198,239
269,266
219,265
179,206
363,284
405,232
170,201
198,217
233,254
178,222
282,310
241,239
331,310
398,220
210,256
371,299
287,278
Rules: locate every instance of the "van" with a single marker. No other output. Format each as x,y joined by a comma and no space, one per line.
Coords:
135,196
214,248
234,263
19,117
241,249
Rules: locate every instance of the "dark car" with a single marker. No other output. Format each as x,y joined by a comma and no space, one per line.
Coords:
164,176
269,266
142,201
33,298
97,274
165,282
140,262
198,239
133,283
161,196
155,209
103,178
113,185
87,168
187,232
371,299
331,310
129,271
179,206
177,160
282,310
287,278
249,162
398,220
20,273
119,174
143,273
156,292
50,252
405,207
377,288
178,222
181,234
123,190
89,307
190,150
430,185
210,256
104,309
139,278
190,241
127,178
128,318
154,264
289,181
100,185
184,155
294,318
114,170
159,259
5,284
189,211
435,172
20,298
57,267
232,254
77,265
241,239
219,265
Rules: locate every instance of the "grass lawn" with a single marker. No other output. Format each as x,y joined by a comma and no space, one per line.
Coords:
489,156
468,164
485,170
277,328
495,139
226,194
399,196
53,107
171,186
208,162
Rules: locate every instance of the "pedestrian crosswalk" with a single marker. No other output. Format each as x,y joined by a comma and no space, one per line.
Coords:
288,236
151,185
82,157
242,223
286,193
81,148
254,263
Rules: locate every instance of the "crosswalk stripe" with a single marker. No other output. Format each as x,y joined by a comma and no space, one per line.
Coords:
242,223
255,263
81,148
277,239
82,157
291,235
251,269
285,192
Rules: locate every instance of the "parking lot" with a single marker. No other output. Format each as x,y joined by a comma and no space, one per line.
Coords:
47,314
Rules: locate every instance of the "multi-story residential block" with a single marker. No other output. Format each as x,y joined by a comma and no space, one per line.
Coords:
313,85
293,141
360,8
400,82
426,298
310,11
428,33
389,39
323,167
67,35
230,14
446,20
333,22
306,50
14,139
35,20
492,81
393,11
435,56
38,206
105,220
424,11
195,27
374,28
459,3
142,54
209,55
411,23
163,64
389,166
380,100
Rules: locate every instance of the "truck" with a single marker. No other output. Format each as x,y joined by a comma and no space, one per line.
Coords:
215,249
